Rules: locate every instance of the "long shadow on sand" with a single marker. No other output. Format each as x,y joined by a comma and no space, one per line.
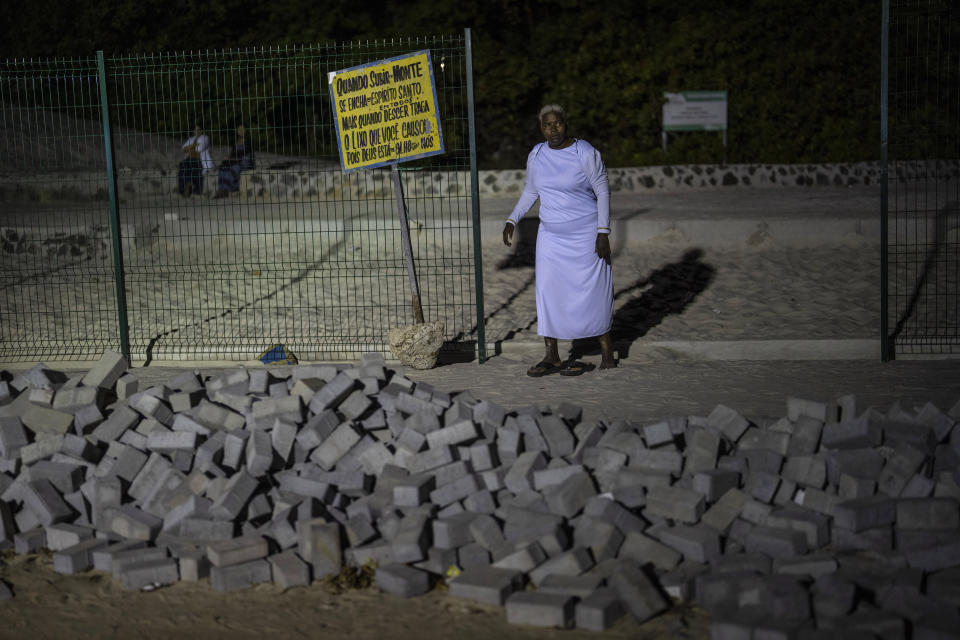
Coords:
666,291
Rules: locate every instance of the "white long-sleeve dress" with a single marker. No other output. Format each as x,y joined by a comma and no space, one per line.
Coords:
574,285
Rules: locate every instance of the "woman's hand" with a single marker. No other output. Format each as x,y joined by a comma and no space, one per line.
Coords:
603,246
508,234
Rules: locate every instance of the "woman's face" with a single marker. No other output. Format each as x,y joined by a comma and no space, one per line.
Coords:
554,129
240,130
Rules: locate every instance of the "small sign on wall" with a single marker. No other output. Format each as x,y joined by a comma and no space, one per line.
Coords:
695,111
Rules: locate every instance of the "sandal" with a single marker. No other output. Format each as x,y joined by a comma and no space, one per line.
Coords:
542,368
573,368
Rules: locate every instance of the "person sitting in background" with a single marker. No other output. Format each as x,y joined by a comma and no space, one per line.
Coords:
240,159
196,161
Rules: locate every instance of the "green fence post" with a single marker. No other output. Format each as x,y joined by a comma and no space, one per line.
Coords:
885,344
475,198
114,211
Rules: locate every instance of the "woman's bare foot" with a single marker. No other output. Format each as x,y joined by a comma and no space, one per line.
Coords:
607,360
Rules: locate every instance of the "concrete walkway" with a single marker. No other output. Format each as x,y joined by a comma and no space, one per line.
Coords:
730,218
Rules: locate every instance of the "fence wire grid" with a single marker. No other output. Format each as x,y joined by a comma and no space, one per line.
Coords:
299,254
921,205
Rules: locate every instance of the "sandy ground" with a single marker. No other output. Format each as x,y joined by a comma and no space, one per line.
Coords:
93,605
239,292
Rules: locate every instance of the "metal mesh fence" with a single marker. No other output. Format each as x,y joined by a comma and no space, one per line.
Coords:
922,267
220,262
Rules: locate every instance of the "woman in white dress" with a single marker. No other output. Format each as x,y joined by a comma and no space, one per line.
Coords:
573,272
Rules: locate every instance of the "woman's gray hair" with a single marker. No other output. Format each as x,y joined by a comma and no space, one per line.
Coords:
553,108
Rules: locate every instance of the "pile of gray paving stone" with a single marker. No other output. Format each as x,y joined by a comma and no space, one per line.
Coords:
832,519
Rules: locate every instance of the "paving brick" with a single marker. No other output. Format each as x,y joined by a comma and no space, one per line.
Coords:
568,563
605,508
128,557
944,555
657,460
45,503
556,475
524,559
77,558
108,369
814,526
805,437
412,538
809,471
576,586
865,513
775,542
726,420
636,546
455,531
133,523
27,541
919,486
46,420
559,437
321,545
237,492
240,576
488,585
676,503
537,609
797,407
12,437
332,393
927,513
237,550
65,477
638,593
812,565
855,433
43,446
288,570
63,535
157,572
454,491
816,500
119,420
698,543
754,438
402,581
878,539
570,496
600,536
73,399
599,611
918,436
520,476
713,483
439,561
472,555
657,434
852,487
722,514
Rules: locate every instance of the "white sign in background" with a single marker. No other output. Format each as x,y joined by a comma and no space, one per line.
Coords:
695,111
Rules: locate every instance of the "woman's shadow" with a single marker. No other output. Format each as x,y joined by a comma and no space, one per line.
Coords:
666,291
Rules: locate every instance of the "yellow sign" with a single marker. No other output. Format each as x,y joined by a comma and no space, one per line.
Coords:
386,112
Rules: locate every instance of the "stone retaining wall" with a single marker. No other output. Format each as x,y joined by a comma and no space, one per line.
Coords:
292,183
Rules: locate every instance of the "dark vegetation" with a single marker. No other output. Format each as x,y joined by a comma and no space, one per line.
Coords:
803,78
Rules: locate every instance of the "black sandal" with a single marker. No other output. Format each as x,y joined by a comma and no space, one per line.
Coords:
573,368
543,368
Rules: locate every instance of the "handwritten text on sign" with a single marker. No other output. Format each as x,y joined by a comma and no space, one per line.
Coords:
386,111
